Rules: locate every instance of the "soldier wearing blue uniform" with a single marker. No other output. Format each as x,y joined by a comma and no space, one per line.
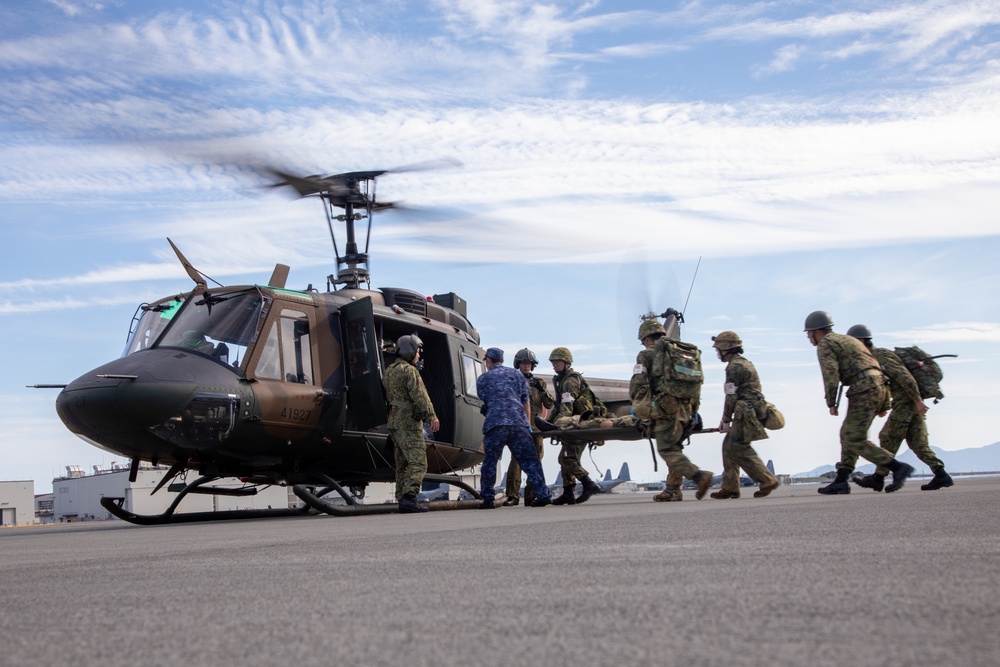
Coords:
504,392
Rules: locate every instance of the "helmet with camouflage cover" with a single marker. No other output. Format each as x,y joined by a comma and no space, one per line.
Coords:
727,340
407,346
524,355
651,327
859,331
561,354
818,319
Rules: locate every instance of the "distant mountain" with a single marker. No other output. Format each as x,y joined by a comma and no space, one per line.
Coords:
972,459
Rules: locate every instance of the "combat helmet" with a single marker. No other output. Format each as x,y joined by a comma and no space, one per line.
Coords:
651,327
859,331
561,354
407,346
727,340
818,319
524,355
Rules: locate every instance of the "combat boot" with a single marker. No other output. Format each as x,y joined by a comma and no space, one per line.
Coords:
545,426
540,502
766,489
511,500
487,505
408,505
703,478
900,471
941,479
667,496
724,494
567,497
838,486
589,489
875,481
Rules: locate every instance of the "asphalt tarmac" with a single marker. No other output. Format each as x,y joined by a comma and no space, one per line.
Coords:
911,578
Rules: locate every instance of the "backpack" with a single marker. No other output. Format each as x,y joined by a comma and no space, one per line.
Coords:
676,369
924,369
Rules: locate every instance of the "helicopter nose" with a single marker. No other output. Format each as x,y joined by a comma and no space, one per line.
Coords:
133,394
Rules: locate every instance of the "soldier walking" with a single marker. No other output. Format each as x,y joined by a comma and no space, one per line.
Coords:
539,400
674,416
906,419
576,407
504,392
409,407
845,362
740,422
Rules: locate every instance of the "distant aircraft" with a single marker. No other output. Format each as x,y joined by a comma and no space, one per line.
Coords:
607,483
440,492
770,466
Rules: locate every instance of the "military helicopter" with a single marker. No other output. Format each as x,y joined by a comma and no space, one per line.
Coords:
274,385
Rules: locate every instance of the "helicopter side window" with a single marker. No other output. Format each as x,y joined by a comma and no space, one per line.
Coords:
472,368
287,353
217,325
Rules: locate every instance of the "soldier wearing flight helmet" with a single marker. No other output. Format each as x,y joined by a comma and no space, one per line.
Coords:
409,407
846,362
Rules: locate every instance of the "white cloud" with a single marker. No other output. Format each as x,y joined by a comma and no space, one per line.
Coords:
951,332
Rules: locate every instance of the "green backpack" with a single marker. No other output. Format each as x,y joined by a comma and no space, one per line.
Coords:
677,369
924,369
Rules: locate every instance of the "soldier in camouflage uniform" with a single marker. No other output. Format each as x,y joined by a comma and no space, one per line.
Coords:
409,408
504,392
668,432
906,420
540,400
741,421
576,407
846,362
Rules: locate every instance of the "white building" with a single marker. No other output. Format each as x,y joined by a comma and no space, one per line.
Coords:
17,503
77,497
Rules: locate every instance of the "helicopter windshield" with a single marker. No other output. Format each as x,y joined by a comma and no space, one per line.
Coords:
220,326
148,326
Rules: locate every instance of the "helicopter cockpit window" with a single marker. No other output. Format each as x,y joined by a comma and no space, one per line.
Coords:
472,368
287,354
148,326
220,326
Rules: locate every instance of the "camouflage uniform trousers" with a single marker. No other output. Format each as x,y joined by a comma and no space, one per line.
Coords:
411,459
906,423
518,439
569,461
514,474
738,454
667,433
861,411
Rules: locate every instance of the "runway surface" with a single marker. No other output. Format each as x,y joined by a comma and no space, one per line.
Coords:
795,579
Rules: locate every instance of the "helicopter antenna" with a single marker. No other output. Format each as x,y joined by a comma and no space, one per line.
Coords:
693,278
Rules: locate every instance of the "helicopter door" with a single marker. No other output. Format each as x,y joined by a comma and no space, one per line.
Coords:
365,394
289,400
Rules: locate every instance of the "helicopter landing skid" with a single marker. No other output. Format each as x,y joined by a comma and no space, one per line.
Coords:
114,506
353,508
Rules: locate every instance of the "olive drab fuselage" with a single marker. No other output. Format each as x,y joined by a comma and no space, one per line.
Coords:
267,384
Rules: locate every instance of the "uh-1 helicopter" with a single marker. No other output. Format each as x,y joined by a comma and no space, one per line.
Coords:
280,386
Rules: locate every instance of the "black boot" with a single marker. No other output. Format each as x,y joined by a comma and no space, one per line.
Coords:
589,489
875,481
838,486
900,471
408,505
941,479
568,496
543,425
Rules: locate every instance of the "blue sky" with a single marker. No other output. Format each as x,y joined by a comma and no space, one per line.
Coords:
839,156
